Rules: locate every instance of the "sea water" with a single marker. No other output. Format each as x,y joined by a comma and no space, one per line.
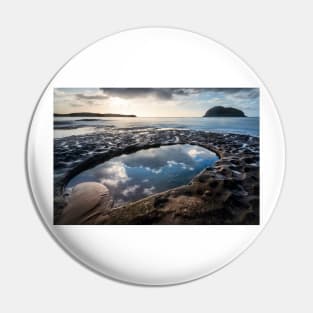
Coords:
68,126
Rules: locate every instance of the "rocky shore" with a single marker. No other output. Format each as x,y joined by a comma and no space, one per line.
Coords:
227,193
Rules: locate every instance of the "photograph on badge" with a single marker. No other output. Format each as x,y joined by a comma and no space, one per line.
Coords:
156,156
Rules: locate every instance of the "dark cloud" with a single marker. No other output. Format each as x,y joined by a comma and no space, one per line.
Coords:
169,93
243,93
160,93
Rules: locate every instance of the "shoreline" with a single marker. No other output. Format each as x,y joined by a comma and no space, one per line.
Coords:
227,193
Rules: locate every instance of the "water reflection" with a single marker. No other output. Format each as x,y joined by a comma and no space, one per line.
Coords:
145,172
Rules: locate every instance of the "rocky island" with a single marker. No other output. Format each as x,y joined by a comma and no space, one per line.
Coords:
220,111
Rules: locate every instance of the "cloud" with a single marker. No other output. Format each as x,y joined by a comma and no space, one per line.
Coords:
155,102
194,152
184,166
160,93
148,191
114,175
76,105
66,99
83,96
169,93
240,92
130,189
155,159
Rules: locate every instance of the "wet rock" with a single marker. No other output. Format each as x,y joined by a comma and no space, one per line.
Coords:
218,195
85,203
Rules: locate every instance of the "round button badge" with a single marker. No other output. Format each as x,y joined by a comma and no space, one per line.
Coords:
155,156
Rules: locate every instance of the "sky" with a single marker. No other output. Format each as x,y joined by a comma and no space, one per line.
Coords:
155,102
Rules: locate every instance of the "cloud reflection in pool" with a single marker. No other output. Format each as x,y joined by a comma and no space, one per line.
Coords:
131,177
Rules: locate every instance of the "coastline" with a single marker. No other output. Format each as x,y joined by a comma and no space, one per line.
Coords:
227,193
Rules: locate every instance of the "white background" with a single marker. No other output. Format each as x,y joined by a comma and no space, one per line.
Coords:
274,38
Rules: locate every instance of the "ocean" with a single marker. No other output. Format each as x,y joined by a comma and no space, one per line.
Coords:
69,126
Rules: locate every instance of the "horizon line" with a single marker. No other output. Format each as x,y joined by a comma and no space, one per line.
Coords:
150,116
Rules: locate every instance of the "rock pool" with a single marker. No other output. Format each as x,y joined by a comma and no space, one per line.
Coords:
130,177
